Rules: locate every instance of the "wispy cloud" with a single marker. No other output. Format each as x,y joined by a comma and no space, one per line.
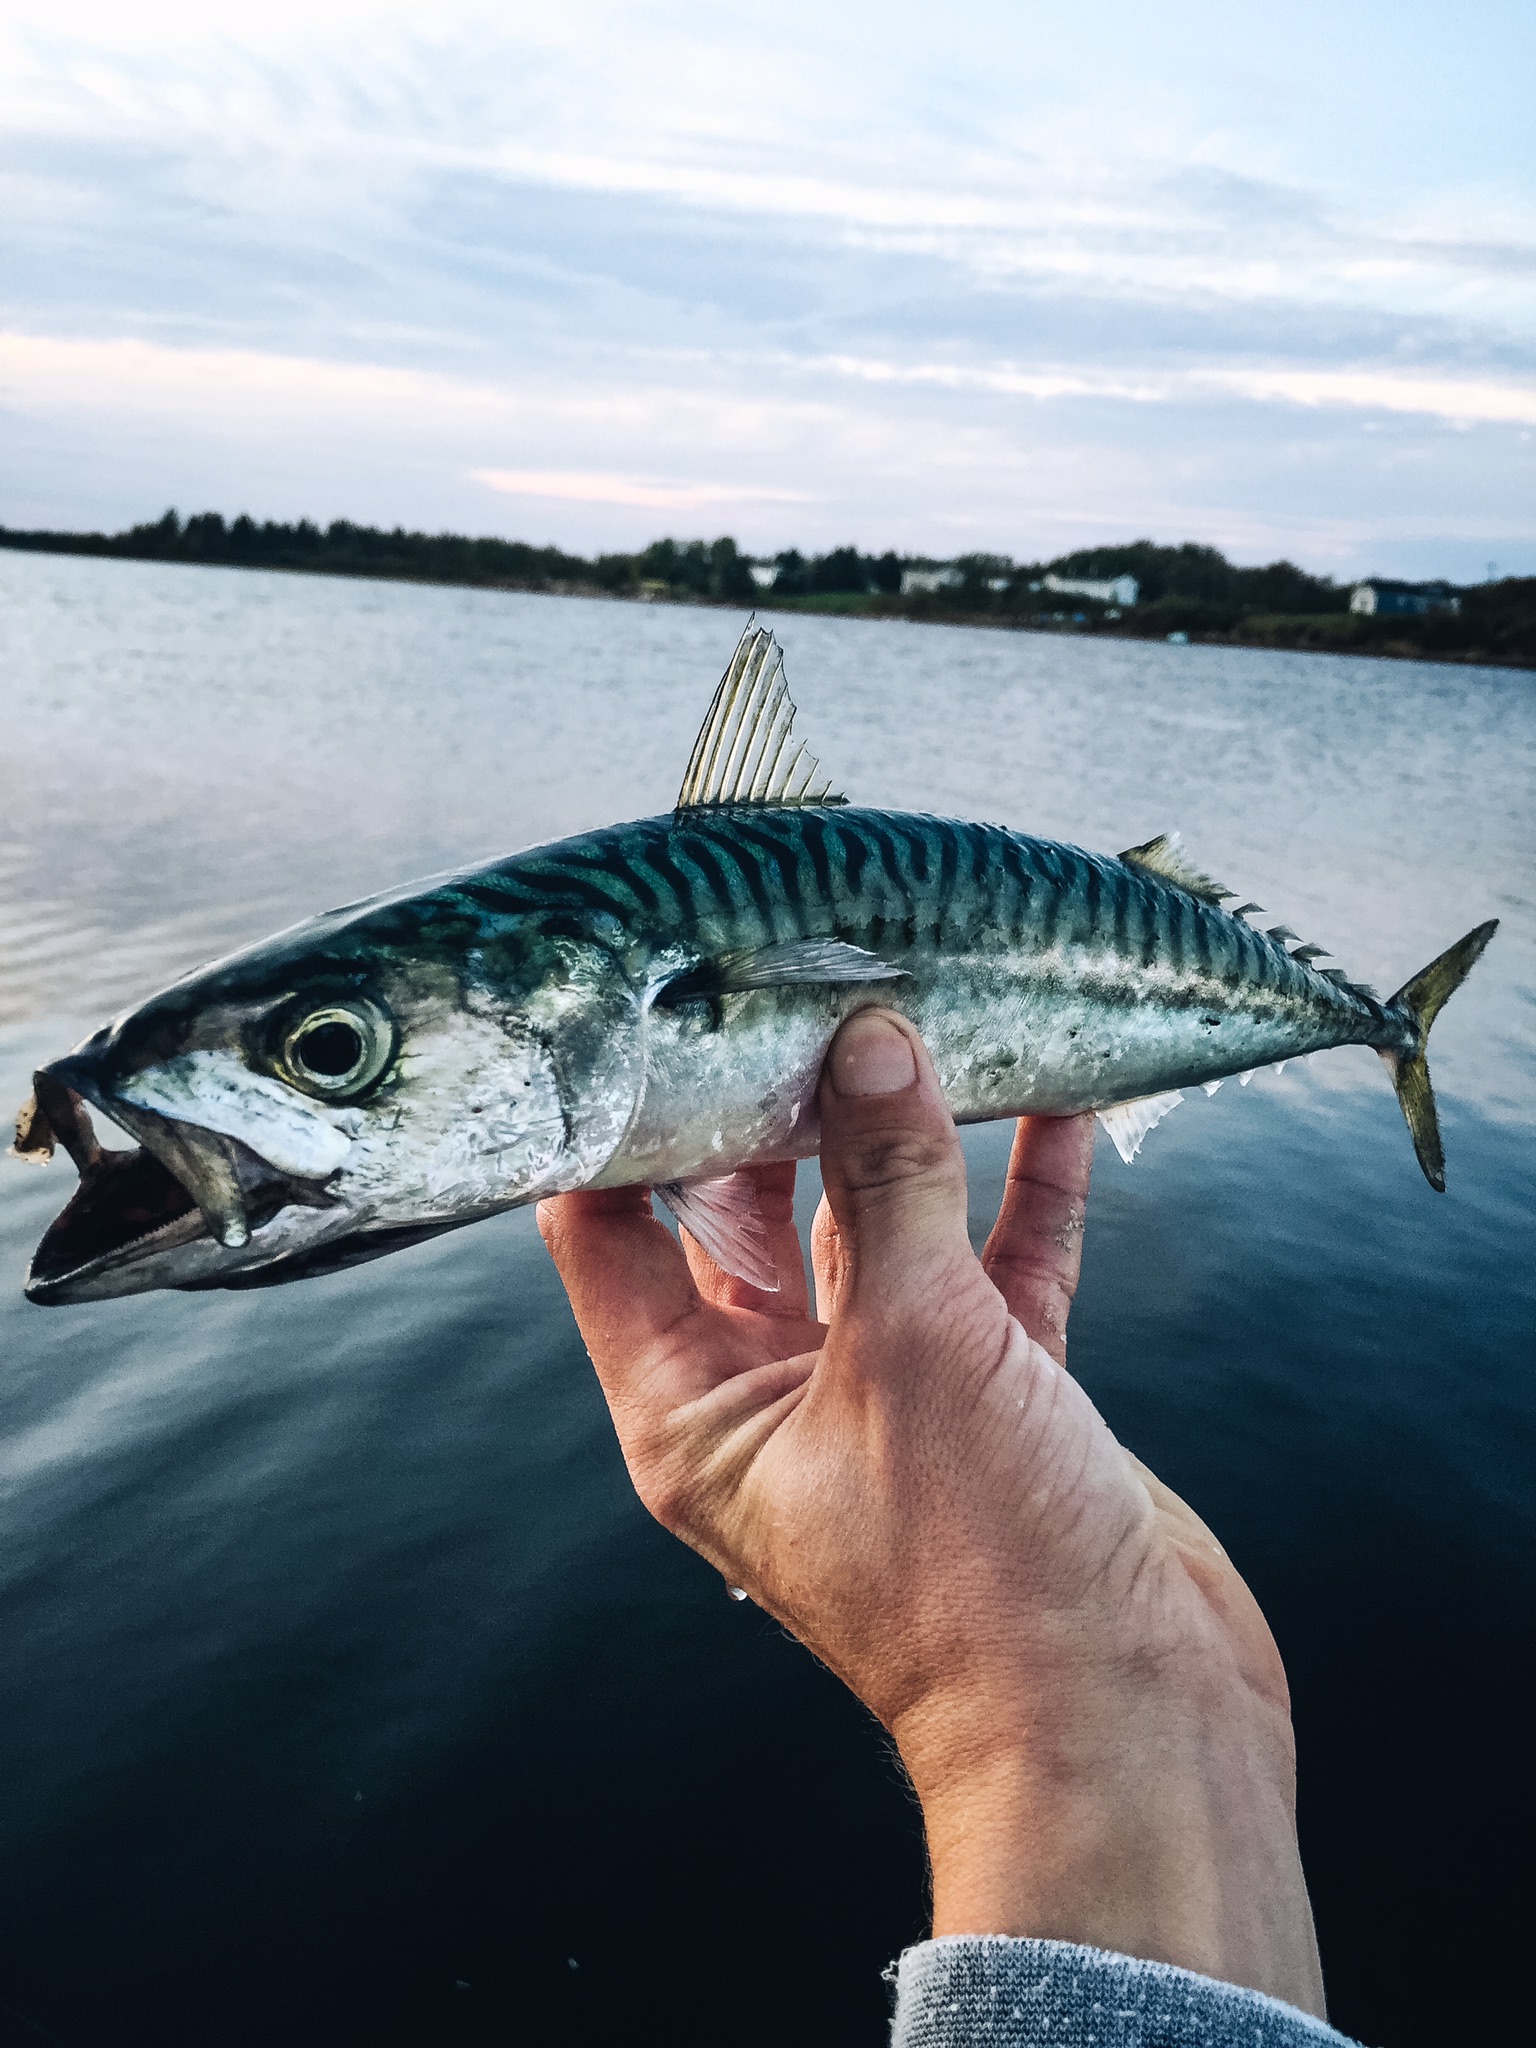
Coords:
1447,398
885,275
1359,390
585,487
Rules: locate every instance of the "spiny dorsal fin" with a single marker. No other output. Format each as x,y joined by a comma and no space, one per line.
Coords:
745,752
1165,858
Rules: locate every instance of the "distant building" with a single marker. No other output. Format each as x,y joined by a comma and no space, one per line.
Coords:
1122,590
924,582
1378,598
764,574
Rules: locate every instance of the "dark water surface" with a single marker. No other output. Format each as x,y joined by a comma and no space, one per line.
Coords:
349,1696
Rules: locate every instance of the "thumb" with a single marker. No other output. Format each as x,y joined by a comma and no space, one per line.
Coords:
892,1167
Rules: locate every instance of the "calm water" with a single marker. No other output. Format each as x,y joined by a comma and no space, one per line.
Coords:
349,1695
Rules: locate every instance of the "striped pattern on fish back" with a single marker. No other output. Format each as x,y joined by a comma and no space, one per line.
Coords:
901,884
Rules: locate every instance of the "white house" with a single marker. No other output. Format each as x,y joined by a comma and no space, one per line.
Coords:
764,574
1410,600
924,582
1121,590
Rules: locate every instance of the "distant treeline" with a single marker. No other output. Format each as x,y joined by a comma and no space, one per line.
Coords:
705,569
1189,589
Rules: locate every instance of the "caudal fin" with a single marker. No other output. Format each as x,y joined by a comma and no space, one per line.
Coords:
1424,998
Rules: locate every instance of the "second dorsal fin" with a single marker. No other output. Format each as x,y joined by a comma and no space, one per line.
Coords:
746,752
1166,858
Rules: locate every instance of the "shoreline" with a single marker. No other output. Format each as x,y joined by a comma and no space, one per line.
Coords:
1274,633
913,612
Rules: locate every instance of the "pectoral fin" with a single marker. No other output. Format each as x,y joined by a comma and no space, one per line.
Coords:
803,961
797,963
723,1217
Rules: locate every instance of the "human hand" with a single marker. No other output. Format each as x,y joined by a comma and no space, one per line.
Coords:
1084,1693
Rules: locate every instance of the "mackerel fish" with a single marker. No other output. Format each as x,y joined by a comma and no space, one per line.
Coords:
651,1004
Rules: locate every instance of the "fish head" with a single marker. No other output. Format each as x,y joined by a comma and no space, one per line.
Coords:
371,1078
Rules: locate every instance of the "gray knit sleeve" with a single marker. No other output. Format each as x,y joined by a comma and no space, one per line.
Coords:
989,1991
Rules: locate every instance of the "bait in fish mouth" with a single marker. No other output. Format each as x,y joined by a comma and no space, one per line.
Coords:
650,1005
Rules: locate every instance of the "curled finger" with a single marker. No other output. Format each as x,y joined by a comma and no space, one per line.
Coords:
1035,1252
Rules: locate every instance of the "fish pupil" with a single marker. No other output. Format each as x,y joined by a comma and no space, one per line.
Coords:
331,1049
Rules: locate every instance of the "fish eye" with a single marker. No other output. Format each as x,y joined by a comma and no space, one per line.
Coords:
339,1049
335,1050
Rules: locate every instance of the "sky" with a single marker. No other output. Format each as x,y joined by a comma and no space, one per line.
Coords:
1000,277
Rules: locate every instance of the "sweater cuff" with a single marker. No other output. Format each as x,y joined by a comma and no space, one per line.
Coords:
993,1991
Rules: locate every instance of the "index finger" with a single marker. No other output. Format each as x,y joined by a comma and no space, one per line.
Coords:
1036,1248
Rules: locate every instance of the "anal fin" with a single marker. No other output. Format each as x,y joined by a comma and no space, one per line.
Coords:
1129,1122
722,1216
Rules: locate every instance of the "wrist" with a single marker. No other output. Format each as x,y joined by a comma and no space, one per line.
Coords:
1162,1828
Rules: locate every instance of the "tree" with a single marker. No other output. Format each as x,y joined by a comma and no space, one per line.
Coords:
886,573
793,579
1282,587
204,537
839,571
730,575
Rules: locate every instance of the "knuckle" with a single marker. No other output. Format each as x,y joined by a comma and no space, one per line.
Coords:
1032,1274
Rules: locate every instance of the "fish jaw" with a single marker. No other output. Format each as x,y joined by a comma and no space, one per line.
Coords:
190,1207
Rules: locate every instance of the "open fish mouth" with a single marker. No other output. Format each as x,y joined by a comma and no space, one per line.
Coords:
182,1191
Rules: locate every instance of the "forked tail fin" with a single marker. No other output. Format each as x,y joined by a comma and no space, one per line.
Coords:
1423,999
